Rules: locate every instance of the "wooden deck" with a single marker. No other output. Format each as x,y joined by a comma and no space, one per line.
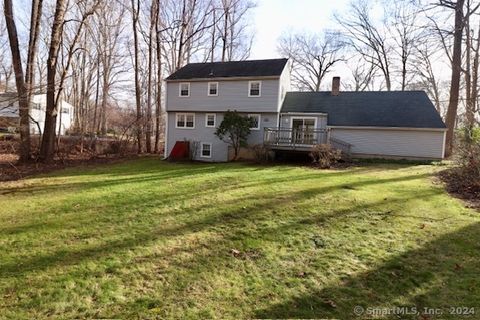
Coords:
289,139
294,139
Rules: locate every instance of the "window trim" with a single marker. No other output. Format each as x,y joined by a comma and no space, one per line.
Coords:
177,114
303,118
180,89
259,116
259,88
201,150
208,89
214,120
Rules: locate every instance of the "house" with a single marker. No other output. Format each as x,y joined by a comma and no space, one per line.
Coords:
9,112
365,124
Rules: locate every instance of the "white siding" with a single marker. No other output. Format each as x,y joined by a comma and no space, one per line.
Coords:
393,142
64,120
232,95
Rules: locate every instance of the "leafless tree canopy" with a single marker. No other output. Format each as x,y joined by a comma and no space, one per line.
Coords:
99,54
312,57
105,55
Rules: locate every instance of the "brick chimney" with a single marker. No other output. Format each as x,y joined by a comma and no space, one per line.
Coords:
335,86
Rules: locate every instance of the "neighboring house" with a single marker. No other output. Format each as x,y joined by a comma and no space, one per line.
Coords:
365,124
9,111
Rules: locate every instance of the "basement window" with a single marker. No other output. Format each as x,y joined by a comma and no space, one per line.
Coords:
206,150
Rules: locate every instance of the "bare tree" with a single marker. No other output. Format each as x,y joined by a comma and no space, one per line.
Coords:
108,32
20,82
428,80
472,46
48,140
313,57
367,39
363,75
185,29
456,70
54,88
35,18
235,42
135,16
158,92
24,85
406,35
151,41
5,56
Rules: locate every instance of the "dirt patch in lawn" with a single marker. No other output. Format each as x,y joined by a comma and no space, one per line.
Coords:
10,170
461,187
71,152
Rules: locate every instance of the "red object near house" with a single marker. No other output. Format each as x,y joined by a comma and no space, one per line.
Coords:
180,150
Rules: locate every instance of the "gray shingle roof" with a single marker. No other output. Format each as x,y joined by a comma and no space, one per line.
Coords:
248,68
408,109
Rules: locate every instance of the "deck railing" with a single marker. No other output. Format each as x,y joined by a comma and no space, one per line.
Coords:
289,137
345,147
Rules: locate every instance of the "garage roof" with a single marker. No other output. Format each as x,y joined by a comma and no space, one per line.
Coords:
406,109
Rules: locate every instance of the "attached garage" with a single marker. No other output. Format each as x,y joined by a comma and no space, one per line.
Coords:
393,142
388,124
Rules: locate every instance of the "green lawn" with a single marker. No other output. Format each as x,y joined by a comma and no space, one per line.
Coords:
147,238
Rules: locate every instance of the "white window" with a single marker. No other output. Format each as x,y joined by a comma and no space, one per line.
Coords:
36,106
213,89
256,121
184,89
210,120
65,110
254,88
185,120
206,150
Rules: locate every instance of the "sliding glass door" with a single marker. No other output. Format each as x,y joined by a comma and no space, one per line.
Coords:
303,130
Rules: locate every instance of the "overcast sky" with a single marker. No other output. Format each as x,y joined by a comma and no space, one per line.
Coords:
274,17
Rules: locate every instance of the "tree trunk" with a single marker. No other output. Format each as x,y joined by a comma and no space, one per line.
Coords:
455,82
105,90
158,100
148,122
22,91
97,93
181,41
35,18
48,141
473,83
137,76
474,95
225,32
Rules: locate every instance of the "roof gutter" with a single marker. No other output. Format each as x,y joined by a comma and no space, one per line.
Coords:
323,114
387,128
